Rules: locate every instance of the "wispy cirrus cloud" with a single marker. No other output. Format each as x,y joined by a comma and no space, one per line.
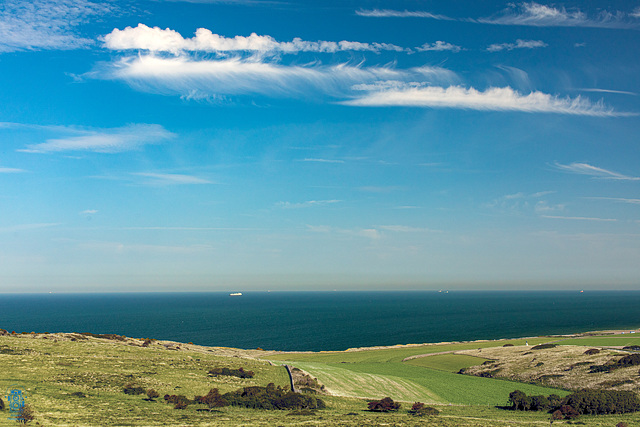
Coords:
155,39
46,24
317,160
11,170
162,179
115,140
407,229
389,13
617,199
193,77
539,15
519,44
594,171
579,218
307,204
492,99
528,14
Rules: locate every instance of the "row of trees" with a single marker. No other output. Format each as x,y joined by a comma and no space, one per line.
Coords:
591,402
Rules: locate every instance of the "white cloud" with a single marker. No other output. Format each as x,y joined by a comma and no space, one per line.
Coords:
170,179
519,44
370,233
617,199
156,39
11,170
45,24
388,13
307,204
594,171
236,76
323,160
636,12
535,14
439,46
406,229
579,218
89,212
492,99
620,92
114,140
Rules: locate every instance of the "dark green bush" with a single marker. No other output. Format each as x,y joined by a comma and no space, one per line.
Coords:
271,397
240,372
152,394
1,404
543,346
131,389
592,351
385,405
213,399
419,410
179,402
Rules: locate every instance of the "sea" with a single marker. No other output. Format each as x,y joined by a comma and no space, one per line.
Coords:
314,321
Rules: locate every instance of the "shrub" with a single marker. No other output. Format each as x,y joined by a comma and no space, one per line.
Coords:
213,399
240,372
543,346
152,394
271,397
385,405
1,404
622,425
131,389
592,351
632,347
419,410
508,345
25,415
179,402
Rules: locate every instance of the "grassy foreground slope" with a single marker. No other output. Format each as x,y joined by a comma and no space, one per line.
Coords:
80,383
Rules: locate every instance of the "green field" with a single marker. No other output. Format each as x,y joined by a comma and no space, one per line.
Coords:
80,383
603,341
377,373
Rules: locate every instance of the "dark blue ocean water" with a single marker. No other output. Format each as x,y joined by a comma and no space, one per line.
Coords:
321,320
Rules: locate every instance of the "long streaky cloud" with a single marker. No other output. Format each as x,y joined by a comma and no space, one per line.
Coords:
594,171
307,204
579,218
492,99
11,170
617,199
389,13
156,39
539,15
527,14
171,179
115,140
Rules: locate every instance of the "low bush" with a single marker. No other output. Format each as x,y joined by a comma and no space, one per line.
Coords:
589,402
105,336
543,346
1,404
131,389
592,351
152,394
385,405
179,402
271,397
240,372
213,399
632,348
508,345
419,410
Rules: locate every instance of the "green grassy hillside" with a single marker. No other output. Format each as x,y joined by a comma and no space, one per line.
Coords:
72,380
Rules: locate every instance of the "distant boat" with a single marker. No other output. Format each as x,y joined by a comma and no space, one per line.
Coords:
236,294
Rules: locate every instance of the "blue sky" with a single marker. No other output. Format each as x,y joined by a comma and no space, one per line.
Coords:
254,145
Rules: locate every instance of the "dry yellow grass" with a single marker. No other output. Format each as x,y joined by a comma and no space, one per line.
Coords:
563,367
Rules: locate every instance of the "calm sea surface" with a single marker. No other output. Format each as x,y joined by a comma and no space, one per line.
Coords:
321,320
